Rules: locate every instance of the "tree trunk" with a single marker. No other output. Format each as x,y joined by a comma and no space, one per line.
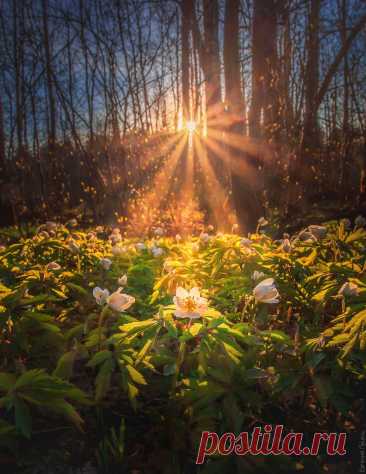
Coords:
49,76
243,175
18,86
264,112
6,212
2,142
212,64
310,138
187,7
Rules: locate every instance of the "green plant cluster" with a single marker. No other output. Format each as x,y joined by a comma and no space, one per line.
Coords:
141,384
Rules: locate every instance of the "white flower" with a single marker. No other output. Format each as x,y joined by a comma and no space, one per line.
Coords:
204,237
50,225
189,304
346,223
318,231
167,266
44,234
349,289
195,247
2,248
244,242
73,246
210,228
106,263
116,231
122,281
100,295
159,231
115,238
360,221
140,246
118,250
91,235
53,266
262,222
178,237
157,251
266,291
99,229
73,222
286,246
235,228
257,275
306,236
120,301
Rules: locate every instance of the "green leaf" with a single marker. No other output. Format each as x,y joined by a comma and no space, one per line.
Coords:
68,411
323,294
99,358
277,336
137,326
171,328
78,289
30,377
135,375
310,259
23,420
350,345
233,353
103,379
195,329
356,235
132,393
145,349
7,381
65,365
76,331
315,358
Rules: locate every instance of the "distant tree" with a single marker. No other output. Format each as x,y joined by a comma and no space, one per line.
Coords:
264,110
243,175
186,26
49,75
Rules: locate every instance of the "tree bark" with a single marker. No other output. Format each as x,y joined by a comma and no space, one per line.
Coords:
212,64
187,8
311,130
264,112
49,76
243,175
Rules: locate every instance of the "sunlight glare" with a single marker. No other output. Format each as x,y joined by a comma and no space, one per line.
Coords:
191,126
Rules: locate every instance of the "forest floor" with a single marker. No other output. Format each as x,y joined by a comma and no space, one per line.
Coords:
117,353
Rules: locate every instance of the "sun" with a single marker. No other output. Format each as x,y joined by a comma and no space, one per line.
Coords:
191,126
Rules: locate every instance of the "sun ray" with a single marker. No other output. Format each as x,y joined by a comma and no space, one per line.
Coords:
236,165
141,209
244,144
215,195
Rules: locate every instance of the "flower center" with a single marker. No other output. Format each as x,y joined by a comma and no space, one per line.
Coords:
190,304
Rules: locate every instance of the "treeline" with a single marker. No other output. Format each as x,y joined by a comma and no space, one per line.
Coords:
279,86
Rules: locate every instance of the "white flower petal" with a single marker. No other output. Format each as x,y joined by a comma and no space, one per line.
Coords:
120,301
181,292
271,301
194,292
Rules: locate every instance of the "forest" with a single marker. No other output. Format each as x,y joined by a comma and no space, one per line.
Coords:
182,235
